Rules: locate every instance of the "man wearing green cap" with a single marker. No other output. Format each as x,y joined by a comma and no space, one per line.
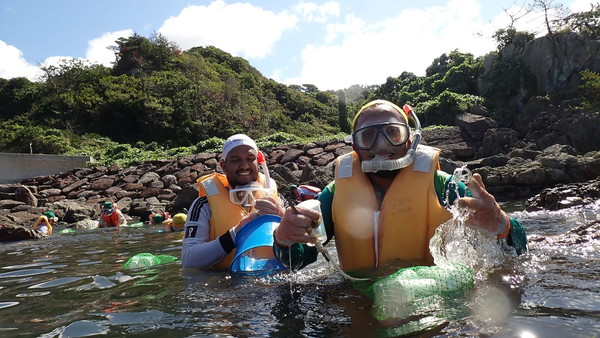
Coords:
45,222
111,216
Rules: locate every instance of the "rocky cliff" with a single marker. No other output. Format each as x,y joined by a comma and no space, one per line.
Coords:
555,62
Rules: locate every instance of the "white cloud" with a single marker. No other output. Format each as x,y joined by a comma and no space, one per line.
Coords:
98,51
350,26
581,5
13,64
369,53
240,29
312,12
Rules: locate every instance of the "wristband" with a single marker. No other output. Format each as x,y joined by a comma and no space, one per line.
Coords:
504,231
283,244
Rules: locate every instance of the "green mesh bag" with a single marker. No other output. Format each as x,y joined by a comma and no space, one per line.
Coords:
420,290
144,260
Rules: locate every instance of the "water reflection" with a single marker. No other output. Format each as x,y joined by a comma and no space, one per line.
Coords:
77,285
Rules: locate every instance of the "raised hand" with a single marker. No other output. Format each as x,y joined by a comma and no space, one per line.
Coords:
486,214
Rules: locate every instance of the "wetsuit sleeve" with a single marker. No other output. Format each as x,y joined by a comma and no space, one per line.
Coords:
447,192
197,250
517,238
299,255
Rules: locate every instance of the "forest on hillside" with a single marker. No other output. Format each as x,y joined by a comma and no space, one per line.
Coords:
158,101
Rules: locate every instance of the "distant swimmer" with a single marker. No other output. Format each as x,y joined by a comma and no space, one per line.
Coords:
45,222
111,216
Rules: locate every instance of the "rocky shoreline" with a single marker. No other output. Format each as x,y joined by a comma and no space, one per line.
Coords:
551,147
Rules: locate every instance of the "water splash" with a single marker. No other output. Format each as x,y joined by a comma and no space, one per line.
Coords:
456,242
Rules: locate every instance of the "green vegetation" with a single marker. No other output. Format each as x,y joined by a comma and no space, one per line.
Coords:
159,102
590,90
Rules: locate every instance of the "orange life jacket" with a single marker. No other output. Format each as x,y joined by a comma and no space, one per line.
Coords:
224,214
111,220
367,236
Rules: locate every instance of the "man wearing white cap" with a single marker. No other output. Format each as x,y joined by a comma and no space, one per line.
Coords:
227,202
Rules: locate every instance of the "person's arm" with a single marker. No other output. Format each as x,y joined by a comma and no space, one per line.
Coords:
447,192
197,250
122,219
298,255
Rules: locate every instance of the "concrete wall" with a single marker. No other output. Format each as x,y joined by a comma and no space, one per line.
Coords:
16,167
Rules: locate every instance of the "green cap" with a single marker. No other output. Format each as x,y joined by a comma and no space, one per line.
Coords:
108,205
49,214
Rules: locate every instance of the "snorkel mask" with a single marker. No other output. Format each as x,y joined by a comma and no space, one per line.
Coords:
246,195
382,163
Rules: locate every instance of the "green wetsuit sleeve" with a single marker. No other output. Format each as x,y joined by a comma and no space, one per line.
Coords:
447,193
326,199
300,255
296,256
517,238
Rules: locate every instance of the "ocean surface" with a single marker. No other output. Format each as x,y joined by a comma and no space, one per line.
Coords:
76,285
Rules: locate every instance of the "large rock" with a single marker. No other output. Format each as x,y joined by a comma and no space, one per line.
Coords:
556,61
71,211
473,127
23,194
565,196
11,232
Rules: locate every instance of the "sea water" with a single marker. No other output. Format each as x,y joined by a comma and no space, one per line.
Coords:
75,285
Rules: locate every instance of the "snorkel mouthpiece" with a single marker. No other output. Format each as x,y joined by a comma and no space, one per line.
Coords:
263,163
382,163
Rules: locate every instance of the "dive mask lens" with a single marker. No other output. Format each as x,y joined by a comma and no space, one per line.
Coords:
247,195
395,133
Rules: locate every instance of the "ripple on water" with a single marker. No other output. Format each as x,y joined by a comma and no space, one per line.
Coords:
93,252
7,304
84,328
56,282
32,294
24,273
55,266
24,266
100,282
89,263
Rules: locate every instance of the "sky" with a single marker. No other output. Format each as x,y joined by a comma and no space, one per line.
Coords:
330,44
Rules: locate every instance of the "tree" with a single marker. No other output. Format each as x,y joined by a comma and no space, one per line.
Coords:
586,23
554,13
343,113
138,55
507,36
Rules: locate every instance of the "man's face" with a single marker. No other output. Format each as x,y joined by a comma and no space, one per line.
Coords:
377,115
240,166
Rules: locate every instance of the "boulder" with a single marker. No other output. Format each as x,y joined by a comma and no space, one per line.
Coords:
11,232
23,194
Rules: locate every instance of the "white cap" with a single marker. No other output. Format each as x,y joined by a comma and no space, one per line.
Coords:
236,141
